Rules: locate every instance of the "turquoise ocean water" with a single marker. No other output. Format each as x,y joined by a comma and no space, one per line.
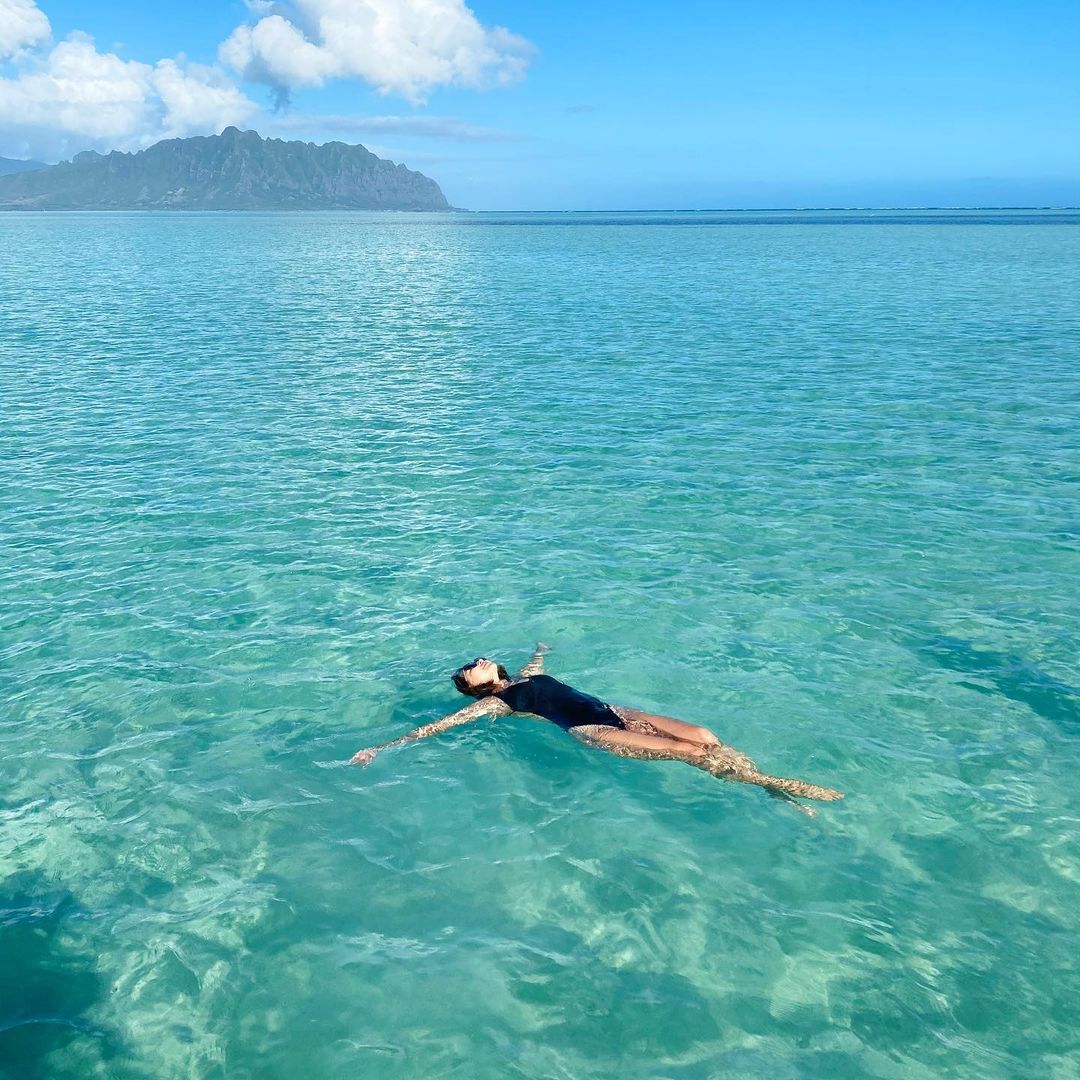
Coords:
811,480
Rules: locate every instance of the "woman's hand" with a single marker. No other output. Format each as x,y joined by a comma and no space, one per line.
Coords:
364,757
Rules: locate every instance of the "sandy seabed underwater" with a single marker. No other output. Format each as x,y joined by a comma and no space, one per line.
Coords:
810,480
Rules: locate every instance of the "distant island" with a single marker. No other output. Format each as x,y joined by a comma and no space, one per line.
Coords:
236,170
14,165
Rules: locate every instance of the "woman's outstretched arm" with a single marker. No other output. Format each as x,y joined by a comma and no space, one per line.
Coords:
488,706
535,666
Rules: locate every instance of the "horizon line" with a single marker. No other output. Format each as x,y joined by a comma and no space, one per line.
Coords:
610,210
750,209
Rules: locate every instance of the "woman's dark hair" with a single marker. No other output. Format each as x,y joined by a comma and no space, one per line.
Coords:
484,690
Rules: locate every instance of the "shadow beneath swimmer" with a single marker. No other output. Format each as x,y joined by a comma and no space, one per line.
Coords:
1012,676
47,987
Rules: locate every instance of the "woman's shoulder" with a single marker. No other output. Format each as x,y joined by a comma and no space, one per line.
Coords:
531,680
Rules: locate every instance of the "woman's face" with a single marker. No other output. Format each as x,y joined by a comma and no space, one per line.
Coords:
481,672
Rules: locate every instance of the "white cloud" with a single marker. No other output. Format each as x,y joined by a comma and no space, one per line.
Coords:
407,47
196,99
22,26
430,127
75,98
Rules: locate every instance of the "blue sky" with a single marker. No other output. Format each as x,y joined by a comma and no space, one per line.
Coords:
629,105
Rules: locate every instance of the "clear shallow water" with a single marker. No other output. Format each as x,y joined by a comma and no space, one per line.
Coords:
265,480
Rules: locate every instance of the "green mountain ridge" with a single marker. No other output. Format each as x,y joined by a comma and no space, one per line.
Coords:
236,170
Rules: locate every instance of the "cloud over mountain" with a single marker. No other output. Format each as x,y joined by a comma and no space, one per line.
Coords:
22,26
74,97
65,96
407,47
69,96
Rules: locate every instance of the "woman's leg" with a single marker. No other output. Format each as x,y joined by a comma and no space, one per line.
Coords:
653,723
635,744
723,762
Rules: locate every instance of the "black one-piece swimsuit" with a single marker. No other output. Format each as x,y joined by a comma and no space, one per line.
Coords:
555,701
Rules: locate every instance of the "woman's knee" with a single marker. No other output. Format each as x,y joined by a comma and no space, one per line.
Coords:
705,736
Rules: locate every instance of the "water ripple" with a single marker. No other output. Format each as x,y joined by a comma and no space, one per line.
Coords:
265,480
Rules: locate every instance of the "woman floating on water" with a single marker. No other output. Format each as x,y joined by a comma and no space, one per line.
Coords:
614,728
